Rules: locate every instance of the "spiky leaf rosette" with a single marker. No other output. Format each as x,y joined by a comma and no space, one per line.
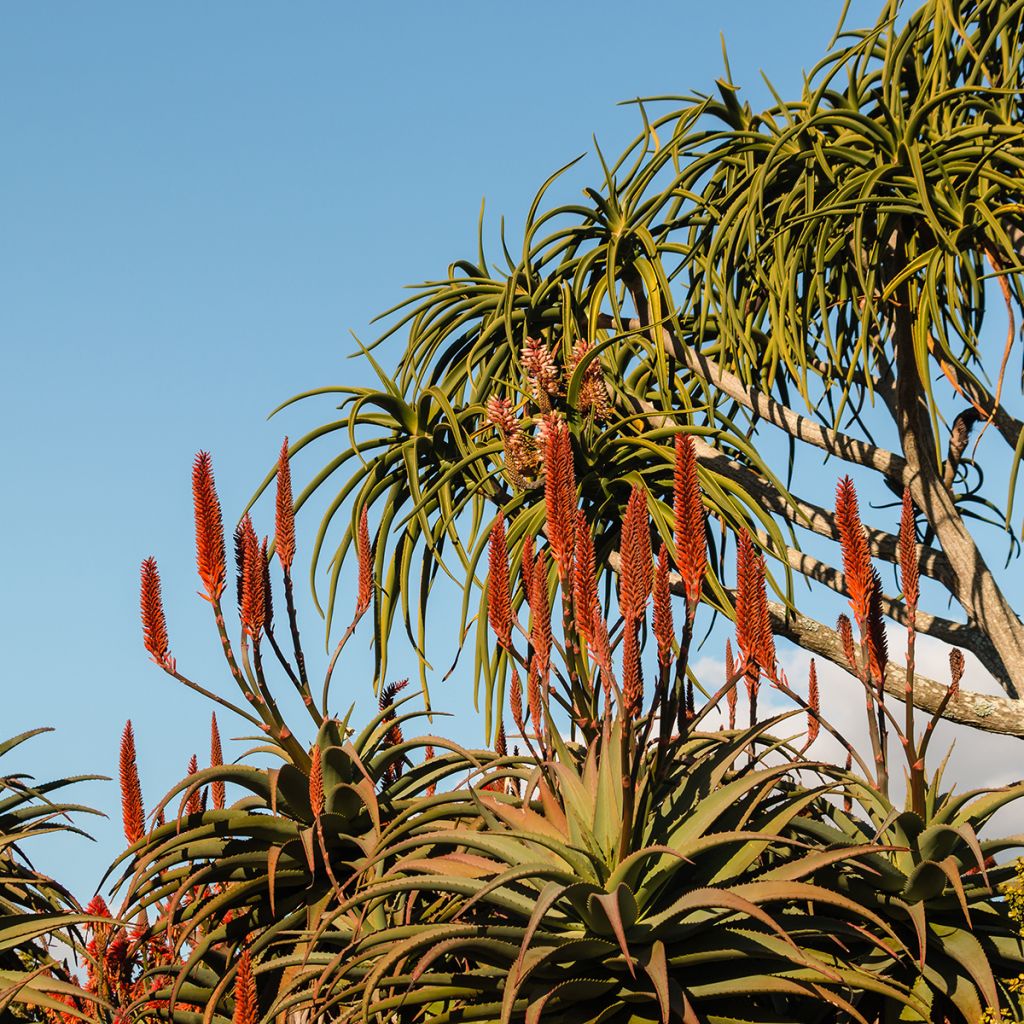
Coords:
301,835
697,904
35,910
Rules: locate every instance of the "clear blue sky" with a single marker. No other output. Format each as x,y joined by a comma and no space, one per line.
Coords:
198,202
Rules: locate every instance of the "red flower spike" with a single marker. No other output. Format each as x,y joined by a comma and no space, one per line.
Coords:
540,618
813,724
662,625
845,631
754,634
499,591
516,702
878,644
584,580
132,813
387,702
246,1005
268,594
956,671
209,527
856,555
636,571
216,760
688,511
194,804
284,521
909,565
253,603
559,493
154,623
732,695
316,783
239,539
500,742
533,696
632,673
364,553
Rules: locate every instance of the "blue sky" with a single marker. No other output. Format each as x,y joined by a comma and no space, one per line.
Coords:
199,202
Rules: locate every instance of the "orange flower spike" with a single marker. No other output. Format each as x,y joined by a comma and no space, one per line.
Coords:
540,622
500,742
253,601
584,580
268,593
239,540
216,760
386,704
533,696
909,565
636,572
516,702
364,553
845,631
209,527
856,554
956,671
559,493
316,783
284,522
132,813
246,1005
499,593
663,627
747,618
765,634
194,804
813,704
154,623
878,644
632,673
688,511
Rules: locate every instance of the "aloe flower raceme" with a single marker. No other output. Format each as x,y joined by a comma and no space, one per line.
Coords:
154,623
132,812
499,592
217,789
754,636
209,528
688,515
559,495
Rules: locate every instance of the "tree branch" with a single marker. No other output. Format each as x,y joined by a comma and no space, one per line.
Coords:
977,710
842,446
959,634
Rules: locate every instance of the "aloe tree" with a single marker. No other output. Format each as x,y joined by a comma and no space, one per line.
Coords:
817,273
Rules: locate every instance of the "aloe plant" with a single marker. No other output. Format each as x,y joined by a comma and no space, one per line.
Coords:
39,918
225,888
